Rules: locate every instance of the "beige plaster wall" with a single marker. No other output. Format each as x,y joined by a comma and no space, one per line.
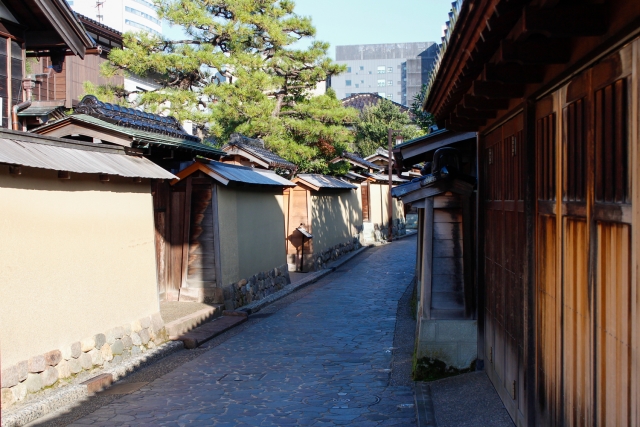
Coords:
76,259
380,204
336,216
251,238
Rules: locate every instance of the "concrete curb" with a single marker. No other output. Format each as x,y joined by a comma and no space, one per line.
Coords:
74,393
425,413
309,279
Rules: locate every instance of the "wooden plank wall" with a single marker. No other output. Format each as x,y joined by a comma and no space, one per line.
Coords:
366,202
201,269
587,247
504,263
298,213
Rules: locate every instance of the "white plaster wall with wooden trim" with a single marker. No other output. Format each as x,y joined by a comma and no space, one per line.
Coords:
251,238
379,196
77,258
336,217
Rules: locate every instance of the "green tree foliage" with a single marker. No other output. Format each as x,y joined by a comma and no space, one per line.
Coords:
374,123
236,71
420,117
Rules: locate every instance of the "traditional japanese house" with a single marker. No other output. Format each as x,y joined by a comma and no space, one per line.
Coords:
47,30
445,263
245,151
551,87
77,258
53,93
380,158
374,197
225,243
322,220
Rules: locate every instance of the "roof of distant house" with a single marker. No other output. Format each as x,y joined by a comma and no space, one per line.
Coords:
360,101
225,173
256,148
318,182
140,127
356,160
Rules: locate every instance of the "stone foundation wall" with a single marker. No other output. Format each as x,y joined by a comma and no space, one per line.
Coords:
333,253
454,342
58,367
256,287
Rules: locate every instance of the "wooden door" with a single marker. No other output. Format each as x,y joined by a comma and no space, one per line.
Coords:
366,202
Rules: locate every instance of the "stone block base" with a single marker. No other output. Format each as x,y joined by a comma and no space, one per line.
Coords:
454,342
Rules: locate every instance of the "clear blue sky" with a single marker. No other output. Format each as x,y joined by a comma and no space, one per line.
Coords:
342,22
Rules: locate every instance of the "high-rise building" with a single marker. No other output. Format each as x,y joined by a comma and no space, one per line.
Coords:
121,15
395,71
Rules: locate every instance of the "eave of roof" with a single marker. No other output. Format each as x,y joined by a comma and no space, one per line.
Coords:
225,174
23,149
319,182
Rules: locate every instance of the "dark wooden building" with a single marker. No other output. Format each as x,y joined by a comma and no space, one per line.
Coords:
551,87
46,29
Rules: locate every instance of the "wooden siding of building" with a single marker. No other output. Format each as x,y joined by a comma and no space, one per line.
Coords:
366,202
503,152
69,83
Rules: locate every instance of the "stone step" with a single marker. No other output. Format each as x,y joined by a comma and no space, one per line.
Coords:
193,320
211,329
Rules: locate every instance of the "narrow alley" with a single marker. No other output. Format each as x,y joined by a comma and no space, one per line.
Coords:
324,359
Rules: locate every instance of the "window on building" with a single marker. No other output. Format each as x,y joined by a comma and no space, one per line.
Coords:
389,69
347,82
357,85
139,26
348,69
361,81
382,94
347,95
382,69
389,82
390,96
370,72
144,2
382,82
399,83
361,68
142,14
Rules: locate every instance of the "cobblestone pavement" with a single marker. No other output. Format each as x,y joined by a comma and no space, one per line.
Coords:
322,360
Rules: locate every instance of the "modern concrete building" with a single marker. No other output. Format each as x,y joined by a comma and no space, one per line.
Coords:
395,71
121,15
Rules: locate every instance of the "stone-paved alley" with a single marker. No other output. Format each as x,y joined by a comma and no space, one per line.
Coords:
322,360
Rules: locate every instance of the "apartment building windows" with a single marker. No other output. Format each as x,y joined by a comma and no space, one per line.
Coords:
381,83
142,14
382,69
347,82
389,82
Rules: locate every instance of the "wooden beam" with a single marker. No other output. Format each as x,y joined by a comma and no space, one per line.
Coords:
484,103
467,113
579,19
512,72
496,90
471,124
536,49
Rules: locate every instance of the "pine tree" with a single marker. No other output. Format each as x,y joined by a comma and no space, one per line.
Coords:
236,71
420,117
374,123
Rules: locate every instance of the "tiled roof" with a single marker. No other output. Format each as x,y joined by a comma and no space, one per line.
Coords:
361,100
134,119
137,136
256,147
226,173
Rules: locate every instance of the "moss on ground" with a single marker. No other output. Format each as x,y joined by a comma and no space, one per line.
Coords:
430,369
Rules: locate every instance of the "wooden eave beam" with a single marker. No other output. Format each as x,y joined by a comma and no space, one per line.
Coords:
571,20
467,113
535,50
497,90
512,72
484,103
463,123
